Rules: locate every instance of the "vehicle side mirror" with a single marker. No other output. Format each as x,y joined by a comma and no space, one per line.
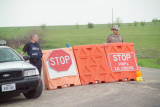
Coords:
26,57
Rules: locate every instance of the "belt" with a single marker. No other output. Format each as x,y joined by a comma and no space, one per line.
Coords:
35,60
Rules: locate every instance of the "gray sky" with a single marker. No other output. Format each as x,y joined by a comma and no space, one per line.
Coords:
70,12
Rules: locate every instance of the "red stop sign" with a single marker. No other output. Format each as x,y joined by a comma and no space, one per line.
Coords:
59,60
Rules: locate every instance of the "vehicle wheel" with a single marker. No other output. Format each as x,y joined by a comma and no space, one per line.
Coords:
34,93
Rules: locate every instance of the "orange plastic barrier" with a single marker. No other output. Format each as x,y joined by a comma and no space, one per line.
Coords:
59,68
91,63
122,61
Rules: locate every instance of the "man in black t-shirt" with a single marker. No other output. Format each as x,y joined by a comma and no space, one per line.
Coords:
34,51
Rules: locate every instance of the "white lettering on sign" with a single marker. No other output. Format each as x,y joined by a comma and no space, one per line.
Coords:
121,57
59,60
122,62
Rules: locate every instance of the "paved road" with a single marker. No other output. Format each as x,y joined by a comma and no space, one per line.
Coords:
120,94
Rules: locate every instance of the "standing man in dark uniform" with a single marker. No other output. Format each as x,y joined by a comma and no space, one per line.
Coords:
34,51
115,37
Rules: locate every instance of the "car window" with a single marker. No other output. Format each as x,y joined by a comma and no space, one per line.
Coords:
7,55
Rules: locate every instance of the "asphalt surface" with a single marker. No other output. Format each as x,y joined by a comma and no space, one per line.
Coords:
120,94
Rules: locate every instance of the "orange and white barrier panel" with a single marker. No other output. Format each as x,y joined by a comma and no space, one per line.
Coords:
59,68
122,61
92,63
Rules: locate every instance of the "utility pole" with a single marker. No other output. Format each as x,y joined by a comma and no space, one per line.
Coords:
112,16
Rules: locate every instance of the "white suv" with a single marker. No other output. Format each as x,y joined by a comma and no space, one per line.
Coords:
18,76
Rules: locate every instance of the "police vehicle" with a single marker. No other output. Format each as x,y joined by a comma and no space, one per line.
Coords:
18,76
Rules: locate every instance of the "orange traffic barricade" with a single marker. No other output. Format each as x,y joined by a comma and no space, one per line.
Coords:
59,68
91,63
122,61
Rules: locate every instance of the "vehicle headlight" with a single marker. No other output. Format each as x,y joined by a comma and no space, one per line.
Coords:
31,72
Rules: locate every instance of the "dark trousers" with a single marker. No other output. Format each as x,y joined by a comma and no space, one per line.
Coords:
37,64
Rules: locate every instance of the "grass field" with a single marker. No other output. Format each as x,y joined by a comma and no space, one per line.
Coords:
145,38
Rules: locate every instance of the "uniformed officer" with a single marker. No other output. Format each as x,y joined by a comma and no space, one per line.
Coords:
34,51
115,37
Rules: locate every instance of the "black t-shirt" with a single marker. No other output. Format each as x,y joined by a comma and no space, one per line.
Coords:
26,47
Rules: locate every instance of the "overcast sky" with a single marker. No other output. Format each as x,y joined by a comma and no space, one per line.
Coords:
70,12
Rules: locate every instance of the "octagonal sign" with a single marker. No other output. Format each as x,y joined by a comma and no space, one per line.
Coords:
59,60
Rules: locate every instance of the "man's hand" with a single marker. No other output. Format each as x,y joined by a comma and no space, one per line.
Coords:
22,53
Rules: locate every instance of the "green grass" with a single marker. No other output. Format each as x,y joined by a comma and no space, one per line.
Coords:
146,38
151,63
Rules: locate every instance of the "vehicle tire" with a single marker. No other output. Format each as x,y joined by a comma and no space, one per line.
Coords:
34,93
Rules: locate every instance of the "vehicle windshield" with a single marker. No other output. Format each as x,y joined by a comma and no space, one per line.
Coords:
8,55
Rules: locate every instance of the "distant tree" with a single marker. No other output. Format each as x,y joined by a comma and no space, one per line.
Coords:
77,26
135,23
129,24
118,21
43,26
143,23
155,21
23,39
90,25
